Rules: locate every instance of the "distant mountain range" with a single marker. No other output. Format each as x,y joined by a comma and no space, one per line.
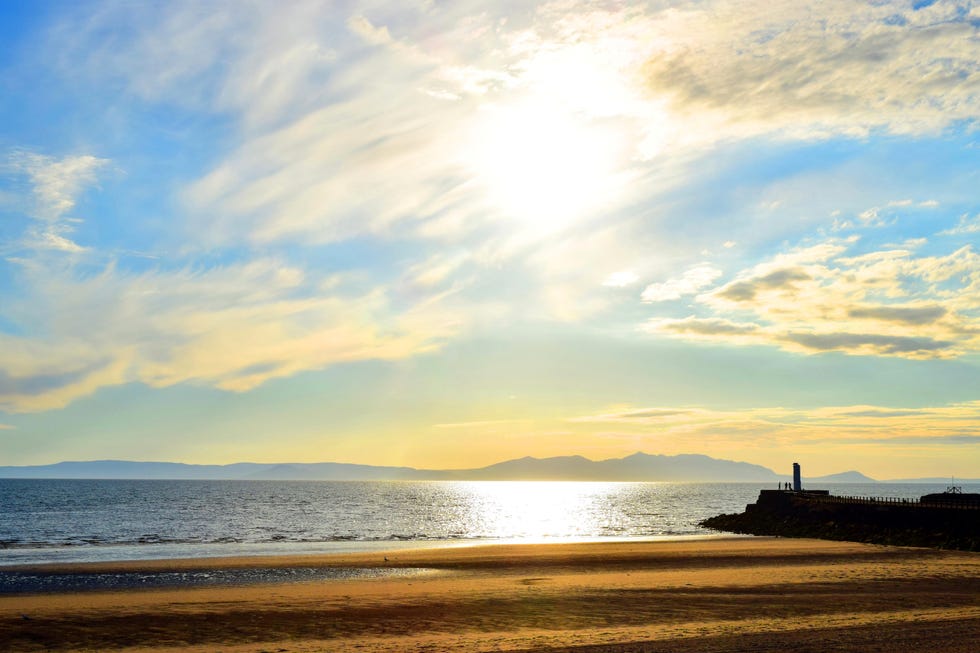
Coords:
637,467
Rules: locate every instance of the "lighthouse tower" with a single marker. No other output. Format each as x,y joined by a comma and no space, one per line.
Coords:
797,481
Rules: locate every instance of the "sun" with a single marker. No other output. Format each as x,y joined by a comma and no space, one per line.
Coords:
542,165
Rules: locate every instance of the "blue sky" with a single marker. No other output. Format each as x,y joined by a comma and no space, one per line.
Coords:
442,236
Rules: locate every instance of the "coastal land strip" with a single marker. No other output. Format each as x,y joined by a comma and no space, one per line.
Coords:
713,595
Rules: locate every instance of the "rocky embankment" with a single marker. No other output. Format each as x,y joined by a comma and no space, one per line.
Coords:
910,524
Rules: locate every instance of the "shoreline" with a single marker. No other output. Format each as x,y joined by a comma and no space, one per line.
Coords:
433,552
128,553
709,595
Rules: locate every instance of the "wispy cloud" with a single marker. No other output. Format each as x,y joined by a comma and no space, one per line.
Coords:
370,33
495,145
934,425
887,303
645,415
55,182
55,186
911,315
888,214
689,283
967,225
233,327
845,69
621,279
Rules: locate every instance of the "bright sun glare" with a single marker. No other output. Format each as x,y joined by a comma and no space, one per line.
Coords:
543,166
557,145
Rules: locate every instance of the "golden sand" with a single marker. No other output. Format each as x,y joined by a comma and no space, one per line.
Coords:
748,594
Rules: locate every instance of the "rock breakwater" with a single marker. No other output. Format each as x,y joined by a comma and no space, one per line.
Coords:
903,522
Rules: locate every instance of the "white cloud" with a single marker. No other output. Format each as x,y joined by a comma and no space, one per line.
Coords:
885,214
51,240
966,225
371,34
872,218
55,186
56,183
621,279
688,283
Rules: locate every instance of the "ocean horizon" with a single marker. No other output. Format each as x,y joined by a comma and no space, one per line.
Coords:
53,520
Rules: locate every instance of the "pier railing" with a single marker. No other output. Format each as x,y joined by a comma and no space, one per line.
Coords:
891,501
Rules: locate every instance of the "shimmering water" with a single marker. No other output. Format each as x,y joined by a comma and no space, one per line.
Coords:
84,520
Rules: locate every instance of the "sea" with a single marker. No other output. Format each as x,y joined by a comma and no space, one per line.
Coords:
44,520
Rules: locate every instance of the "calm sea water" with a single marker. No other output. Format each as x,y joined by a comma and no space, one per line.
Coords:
88,520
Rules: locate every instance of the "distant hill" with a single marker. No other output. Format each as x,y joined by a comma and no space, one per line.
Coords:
636,467
842,477
858,477
937,480
126,469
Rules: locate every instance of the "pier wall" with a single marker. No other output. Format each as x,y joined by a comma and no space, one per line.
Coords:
861,519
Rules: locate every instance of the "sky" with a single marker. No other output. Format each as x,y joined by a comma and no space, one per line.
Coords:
449,234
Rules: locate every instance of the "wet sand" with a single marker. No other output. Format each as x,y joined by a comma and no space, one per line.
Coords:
751,594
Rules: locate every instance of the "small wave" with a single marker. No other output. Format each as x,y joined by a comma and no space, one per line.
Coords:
28,582
414,537
150,539
156,540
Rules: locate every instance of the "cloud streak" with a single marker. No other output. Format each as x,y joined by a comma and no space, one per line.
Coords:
234,328
693,280
813,300
967,225
928,426
55,186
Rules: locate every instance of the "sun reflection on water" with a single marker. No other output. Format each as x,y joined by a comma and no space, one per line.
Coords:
539,510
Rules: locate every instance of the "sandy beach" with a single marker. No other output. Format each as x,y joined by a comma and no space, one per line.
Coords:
739,594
